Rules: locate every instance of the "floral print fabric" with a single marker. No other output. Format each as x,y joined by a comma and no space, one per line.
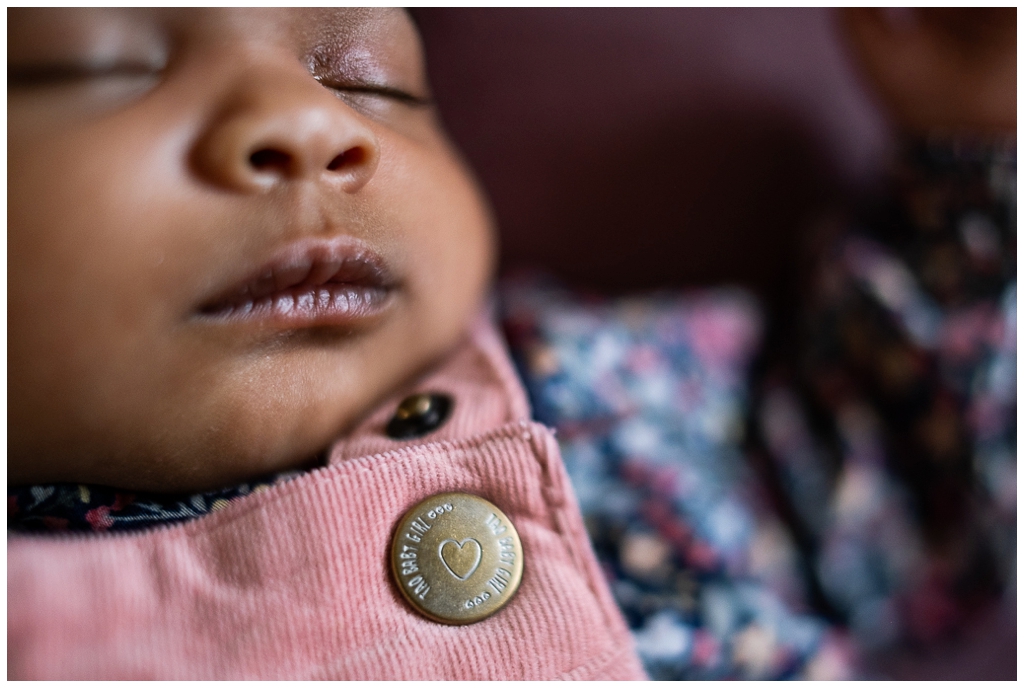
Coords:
92,508
648,398
873,502
892,430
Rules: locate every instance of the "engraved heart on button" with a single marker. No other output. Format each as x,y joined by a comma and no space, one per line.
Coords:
460,558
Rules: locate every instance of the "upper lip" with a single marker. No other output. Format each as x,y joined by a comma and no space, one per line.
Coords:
308,264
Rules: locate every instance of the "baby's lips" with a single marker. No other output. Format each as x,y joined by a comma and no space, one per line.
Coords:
306,306
319,278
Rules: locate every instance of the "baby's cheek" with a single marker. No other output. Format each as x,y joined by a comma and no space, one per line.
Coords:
451,228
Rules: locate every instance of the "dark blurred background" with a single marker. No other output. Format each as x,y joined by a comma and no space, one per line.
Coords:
636,149
629,149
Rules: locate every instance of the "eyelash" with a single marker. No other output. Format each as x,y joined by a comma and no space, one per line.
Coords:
43,75
377,90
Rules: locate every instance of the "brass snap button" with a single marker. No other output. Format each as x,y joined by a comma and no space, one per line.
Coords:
456,558
418,415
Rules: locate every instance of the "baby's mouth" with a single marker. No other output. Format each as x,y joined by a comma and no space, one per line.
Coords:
314,284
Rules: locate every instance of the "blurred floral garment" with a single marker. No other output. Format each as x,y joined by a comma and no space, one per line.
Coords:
892,431
877,490
648,398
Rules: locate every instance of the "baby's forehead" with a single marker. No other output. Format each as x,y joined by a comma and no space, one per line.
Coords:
336,17
340,23
333,26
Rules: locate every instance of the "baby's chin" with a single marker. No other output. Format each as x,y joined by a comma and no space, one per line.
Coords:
279,413
251,444
178,460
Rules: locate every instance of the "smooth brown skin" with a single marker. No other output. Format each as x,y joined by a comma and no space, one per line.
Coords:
132,200
940,69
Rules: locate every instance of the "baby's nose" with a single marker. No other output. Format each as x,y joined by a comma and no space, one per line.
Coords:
278,125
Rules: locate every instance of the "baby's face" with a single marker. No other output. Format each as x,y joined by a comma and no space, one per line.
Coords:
231,233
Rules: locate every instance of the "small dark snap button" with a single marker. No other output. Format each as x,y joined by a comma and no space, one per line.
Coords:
418,415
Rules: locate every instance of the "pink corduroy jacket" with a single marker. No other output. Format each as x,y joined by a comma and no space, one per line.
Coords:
294,582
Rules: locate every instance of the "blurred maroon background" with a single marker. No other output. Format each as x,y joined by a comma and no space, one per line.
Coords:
633,149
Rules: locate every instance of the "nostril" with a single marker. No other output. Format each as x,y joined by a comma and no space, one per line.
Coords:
353,156
270,159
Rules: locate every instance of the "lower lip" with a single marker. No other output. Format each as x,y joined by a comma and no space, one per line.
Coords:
326,305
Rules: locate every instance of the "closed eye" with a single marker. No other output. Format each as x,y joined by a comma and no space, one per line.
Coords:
377,90
27,76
